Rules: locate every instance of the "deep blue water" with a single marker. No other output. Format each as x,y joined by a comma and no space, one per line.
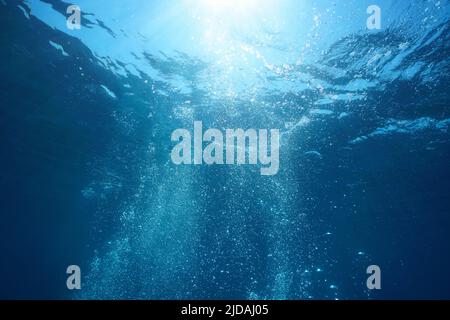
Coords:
86,121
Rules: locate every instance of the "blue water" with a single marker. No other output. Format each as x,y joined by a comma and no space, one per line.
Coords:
87,115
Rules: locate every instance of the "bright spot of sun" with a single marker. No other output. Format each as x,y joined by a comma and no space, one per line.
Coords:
230,5
217,3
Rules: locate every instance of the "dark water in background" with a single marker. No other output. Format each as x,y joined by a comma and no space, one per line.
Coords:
364,170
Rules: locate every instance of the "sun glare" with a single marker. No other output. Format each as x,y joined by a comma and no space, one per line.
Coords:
230,5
